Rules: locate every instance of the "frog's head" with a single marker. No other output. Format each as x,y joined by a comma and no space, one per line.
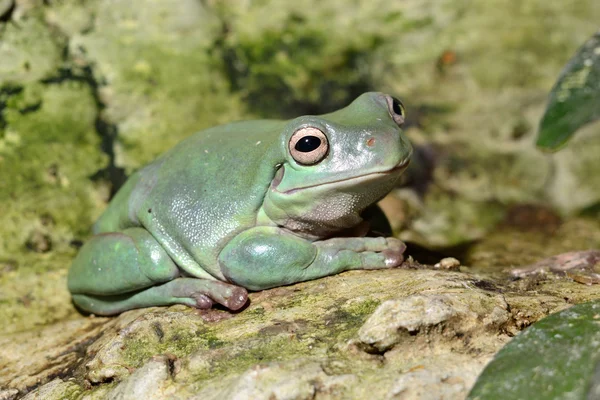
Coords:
338,164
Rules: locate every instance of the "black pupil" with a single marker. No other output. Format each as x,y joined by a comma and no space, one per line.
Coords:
396,106
308,144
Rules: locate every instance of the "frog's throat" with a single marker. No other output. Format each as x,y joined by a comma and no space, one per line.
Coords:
397,169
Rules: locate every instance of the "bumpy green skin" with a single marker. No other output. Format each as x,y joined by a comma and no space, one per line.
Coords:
229,209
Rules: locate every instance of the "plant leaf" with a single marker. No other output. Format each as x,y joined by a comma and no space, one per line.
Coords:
575,98
555,358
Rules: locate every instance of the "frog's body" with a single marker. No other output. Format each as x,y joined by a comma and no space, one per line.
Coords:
246,206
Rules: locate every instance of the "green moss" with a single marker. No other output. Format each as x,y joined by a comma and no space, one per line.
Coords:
53,151
343,325
286,340
255,312
294,70
297,300
303,61
29,51
70,16
49,149
100,392
361,309
58,389
277,348
179,339
162,83
213,341
156,79
72,391
36,295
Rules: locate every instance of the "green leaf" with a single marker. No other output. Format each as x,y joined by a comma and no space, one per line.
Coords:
575,98
556,358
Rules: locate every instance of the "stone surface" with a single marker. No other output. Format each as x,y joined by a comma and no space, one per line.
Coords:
28,358
56,389
394,320
296,380
146,382
8,394
428,384
386,334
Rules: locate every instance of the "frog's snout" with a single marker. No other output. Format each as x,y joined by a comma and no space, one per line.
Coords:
391,148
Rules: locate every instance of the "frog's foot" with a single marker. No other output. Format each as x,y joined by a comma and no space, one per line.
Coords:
203,292
581,266
369,252
193,292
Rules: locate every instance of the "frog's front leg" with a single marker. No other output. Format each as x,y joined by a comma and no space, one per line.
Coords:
119,271
265,257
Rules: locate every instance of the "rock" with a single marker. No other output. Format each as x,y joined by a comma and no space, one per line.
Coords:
297,380
28,358
382,329
56,389
136,336
395,319
448,263
353,335
146,382
426,384
8,394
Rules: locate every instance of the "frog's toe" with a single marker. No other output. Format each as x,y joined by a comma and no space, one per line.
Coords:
233,303
238,298
393,258
394,253
203,302
206,292
395,245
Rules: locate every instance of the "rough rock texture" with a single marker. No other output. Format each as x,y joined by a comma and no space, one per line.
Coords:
90,90
384,334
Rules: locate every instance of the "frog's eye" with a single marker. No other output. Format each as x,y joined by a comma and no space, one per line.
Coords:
308,146
396,109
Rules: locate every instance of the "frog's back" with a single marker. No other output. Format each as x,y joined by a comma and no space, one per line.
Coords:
203,191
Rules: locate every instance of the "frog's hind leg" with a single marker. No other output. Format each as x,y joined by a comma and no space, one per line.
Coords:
193,292
120,262
114,272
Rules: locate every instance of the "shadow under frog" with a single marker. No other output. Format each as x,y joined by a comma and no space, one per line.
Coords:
247,206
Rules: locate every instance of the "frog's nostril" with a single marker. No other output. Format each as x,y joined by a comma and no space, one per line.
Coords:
371,142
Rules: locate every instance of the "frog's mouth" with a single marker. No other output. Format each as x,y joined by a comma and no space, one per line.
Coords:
397,169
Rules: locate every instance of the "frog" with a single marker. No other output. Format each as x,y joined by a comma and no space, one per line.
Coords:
249,206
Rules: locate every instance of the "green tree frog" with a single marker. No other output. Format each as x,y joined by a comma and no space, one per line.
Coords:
248,206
